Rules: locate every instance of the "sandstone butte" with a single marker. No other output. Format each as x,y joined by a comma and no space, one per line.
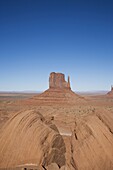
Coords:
30,140
59,91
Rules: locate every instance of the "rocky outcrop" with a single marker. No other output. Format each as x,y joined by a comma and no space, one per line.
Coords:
92,142
110,93
57,80
28,140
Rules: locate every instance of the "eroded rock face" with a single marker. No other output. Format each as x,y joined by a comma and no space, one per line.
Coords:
57,80
92,141
29,140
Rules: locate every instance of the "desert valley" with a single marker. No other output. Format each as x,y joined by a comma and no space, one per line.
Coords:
57,129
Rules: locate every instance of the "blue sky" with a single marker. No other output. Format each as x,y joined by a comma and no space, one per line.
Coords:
74,37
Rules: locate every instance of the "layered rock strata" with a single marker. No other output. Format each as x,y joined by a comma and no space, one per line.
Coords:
92,142
29,140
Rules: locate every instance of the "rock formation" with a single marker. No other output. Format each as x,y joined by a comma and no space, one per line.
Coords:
59,91
92,142
57,80
110,93
29,139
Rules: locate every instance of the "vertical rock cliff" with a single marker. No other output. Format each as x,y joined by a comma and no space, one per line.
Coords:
57,80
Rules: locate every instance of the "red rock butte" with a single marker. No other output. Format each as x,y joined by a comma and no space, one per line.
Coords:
59,91
57,80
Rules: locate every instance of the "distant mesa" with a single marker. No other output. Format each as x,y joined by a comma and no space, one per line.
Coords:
59,91
110,93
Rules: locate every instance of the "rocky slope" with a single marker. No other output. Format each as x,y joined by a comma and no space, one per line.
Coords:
29,139
58,96
92,142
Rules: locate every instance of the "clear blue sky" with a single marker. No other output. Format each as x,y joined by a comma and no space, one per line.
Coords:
74,37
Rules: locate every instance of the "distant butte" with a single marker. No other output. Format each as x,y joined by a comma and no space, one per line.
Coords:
59,91
110,93
57,80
